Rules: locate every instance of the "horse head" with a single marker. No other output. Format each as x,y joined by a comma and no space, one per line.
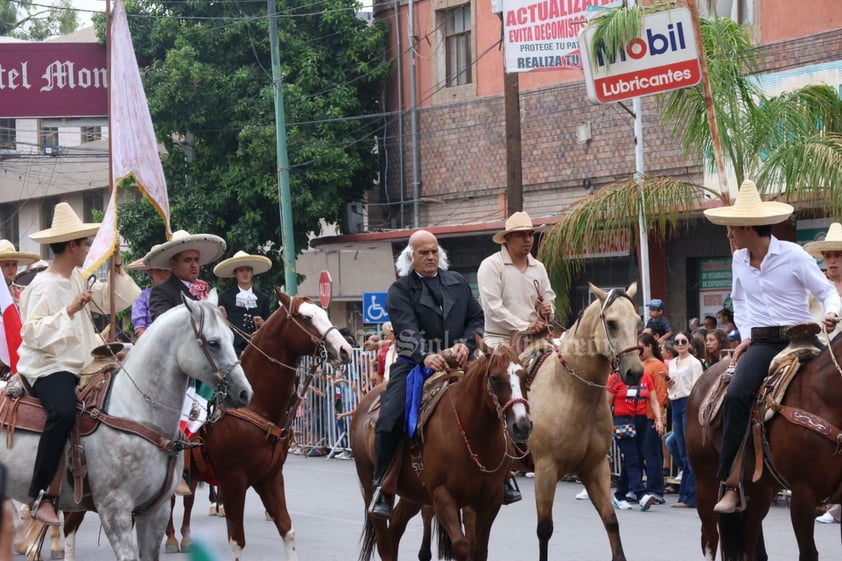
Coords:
615,331
315,331
505,377
217,364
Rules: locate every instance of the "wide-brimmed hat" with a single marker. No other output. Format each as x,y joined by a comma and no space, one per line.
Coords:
258,263
66,227
140,265
832,241
749,210
9,253
517,222
210,249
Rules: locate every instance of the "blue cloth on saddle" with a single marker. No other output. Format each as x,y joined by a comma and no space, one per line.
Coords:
414,390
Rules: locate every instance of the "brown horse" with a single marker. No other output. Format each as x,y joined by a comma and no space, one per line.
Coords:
465,458
572,421
248,447
807,462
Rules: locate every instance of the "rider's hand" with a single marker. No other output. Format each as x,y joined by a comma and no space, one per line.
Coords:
461,353
536,326
79,302
435,362
830,321
224,312
741,348
258,321
544,308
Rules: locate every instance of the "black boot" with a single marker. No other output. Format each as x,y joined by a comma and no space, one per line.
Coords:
385,445
511,493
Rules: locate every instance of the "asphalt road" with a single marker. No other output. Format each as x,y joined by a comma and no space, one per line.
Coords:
327,511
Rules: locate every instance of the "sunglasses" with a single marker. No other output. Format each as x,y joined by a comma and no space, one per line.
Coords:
681,341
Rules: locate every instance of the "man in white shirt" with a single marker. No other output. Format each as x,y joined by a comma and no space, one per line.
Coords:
514,289
245,306
57,339
771,280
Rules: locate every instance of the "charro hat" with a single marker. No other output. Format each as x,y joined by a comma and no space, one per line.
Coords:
749,210
258,263
517,222
140,265
210,249
66,227
832,241
9,253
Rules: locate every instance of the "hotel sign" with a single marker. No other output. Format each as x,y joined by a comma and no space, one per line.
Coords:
663,57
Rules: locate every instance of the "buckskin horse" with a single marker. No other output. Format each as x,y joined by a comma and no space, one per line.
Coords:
802,455
572,421
248,447
133,454
465,459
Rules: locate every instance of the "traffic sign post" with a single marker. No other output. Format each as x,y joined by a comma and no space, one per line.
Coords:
325,289
374,307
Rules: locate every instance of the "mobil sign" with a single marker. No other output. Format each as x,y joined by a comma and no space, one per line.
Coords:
663,57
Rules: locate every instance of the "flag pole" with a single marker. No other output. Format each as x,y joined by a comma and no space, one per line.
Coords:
115,257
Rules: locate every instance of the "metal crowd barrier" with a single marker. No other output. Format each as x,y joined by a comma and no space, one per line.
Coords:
336,392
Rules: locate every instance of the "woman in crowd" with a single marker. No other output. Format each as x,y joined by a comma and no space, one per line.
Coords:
715,342
653,452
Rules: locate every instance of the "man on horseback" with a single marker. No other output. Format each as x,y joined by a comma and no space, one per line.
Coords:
57,339
432,311
514,288
771,279
245,306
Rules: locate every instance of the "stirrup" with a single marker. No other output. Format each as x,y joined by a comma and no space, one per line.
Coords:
36,506
381,504
724,487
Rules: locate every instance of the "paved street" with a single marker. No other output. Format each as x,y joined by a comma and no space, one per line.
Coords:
327,509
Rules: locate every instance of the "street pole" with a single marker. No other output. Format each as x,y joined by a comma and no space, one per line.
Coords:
413,117
514,167
285,200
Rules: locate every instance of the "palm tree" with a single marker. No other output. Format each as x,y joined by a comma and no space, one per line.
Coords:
789,144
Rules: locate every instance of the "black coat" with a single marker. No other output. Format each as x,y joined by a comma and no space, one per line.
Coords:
240,317
421,326
167,295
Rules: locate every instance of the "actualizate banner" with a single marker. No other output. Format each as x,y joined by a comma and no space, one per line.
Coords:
544,35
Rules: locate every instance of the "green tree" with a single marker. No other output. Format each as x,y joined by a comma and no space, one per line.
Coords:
207,74
28,19
790,145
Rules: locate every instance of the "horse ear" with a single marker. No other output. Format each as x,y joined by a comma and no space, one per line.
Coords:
280,294
213,297
601,294
632,289
189,303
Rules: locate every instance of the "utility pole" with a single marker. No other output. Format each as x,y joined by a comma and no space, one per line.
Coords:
285,202
511,105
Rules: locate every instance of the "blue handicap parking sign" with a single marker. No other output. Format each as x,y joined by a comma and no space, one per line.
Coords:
374,307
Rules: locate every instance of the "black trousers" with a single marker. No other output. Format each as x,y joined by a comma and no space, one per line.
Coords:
736,407
57,393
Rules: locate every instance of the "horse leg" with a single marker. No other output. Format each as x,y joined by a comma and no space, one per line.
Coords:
546,478
426,551
598,484
402,514
56,550
447,512
171,545
72,521
483,519
150,527
707,490
117,524
234,501
187,501
272,493
801,511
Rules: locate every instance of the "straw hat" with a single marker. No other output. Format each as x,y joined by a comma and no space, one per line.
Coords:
832,241
140,265
66,227
517,222
749,210
258,263
210,249
9,253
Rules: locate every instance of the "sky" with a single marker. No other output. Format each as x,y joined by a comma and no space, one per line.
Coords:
85,17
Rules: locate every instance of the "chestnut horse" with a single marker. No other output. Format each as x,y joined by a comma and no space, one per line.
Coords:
806,461
572,421
248,447
466,456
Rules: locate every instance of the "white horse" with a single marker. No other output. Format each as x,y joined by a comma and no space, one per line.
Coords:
128,474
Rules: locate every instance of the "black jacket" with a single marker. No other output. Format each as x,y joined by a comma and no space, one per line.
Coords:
240,317
167,295
422,326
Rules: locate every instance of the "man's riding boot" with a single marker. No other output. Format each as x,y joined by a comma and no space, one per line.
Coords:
729,503
385,445
44,510
511,493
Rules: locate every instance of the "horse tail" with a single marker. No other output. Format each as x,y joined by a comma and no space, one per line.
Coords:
731,536
367,540
443,541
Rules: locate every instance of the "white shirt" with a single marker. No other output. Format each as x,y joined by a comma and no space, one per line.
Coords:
776,294
684,372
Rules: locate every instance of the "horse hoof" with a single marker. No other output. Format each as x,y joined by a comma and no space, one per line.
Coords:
56,554
185,546
220,511
171,547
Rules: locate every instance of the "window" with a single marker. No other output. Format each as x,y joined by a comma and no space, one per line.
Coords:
48,207
48,140
458,45
89,134
9,227
7,134
92,201
741,11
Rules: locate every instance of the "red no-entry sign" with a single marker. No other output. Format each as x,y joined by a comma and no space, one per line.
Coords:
325,288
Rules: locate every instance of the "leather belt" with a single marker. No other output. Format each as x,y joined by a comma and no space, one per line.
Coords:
774,333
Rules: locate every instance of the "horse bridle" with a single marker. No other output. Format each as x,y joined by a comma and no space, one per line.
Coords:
221,389
613,294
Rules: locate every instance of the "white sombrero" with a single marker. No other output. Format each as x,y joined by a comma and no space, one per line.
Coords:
258,263
210,249
517,222
140,265
9,253
749,210
832,241
66,227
